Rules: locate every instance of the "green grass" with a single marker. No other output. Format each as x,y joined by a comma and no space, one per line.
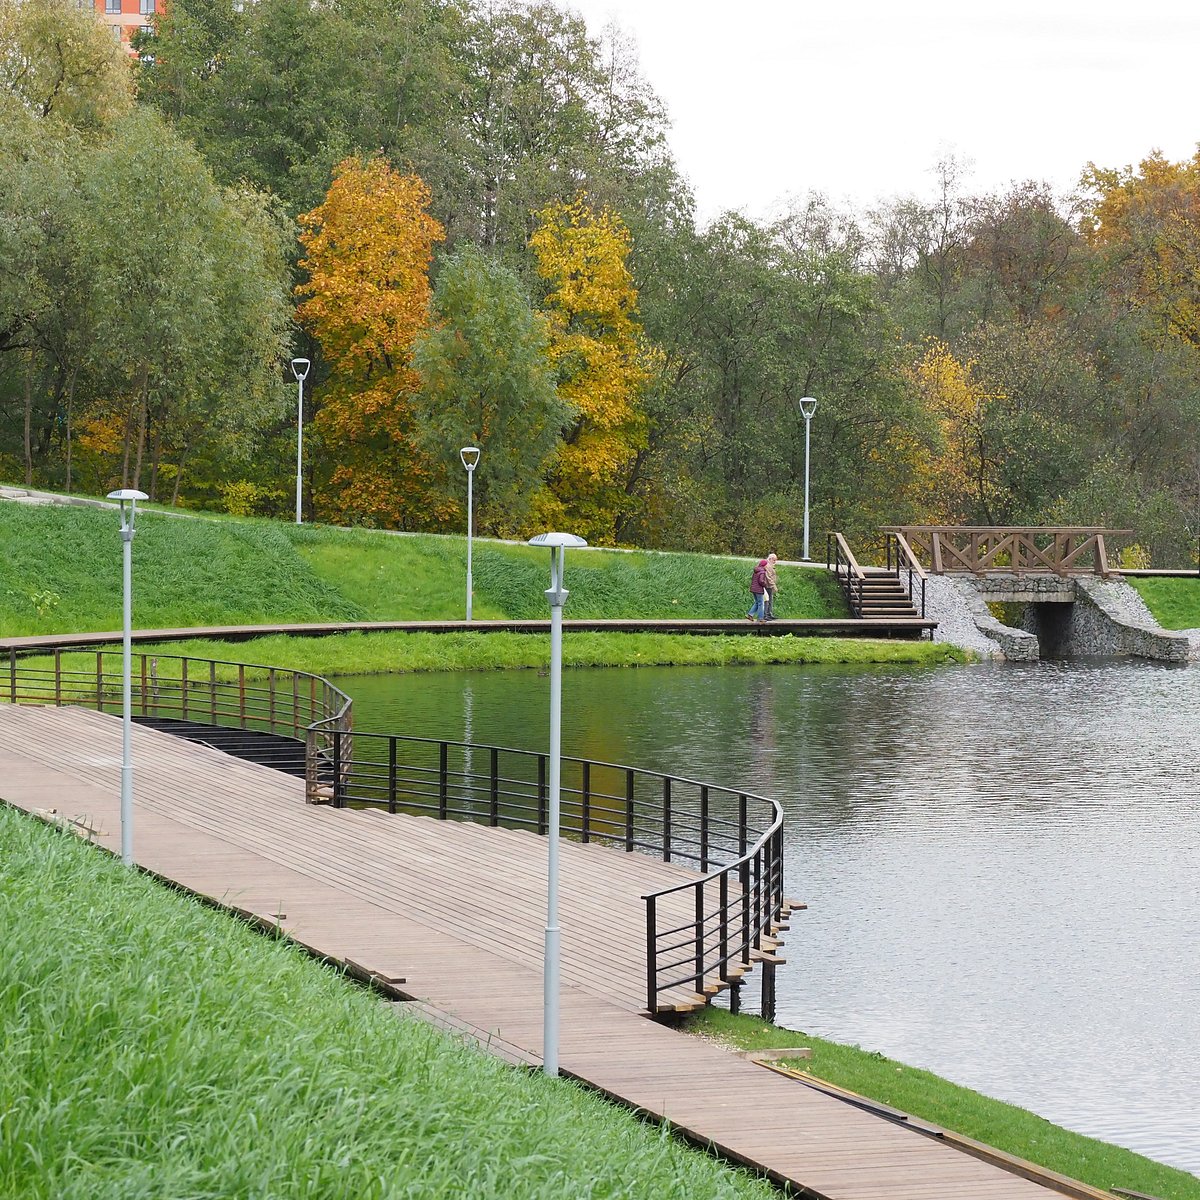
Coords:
1175,603
155,1048
379,653
63,574
1014,1130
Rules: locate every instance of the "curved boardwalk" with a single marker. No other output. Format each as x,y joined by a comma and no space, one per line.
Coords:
450,915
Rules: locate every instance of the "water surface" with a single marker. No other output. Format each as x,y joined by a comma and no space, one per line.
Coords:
1000,861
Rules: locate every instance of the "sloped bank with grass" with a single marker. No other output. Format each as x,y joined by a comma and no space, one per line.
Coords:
155,1047
62,575
1013,1130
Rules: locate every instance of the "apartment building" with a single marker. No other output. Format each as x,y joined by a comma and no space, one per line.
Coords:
125,17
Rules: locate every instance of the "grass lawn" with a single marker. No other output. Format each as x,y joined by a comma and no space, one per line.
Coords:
63,574
1175,603
1014,1130
155,1048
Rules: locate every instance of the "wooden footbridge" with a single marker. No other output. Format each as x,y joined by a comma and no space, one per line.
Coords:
672,891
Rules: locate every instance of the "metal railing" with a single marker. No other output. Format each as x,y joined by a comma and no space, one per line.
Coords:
839,558
277,700
701,934
902,562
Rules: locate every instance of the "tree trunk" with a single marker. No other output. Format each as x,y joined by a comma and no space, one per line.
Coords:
70,413
141,440
178,478
29,421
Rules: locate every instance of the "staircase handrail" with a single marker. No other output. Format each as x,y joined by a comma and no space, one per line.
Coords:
839,558
907,561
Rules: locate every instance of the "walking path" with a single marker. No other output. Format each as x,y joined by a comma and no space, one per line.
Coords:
450,915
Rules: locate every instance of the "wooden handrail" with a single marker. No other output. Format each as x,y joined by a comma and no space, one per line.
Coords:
905,549
848,555
1012,549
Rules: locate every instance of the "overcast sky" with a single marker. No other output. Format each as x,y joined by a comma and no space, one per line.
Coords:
859,99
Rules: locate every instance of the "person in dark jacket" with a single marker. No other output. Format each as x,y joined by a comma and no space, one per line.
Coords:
758,588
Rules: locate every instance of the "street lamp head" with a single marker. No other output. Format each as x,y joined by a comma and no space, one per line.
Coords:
470,456
130,497
808,406
300,368
128,494
556,539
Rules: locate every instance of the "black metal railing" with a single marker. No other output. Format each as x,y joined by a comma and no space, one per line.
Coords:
839,558
701,934
172,688
902,562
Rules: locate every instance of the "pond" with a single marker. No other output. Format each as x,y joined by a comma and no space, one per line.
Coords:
1000,861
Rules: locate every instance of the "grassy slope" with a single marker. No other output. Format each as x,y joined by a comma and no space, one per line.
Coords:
62,574
1004,1126
1175,603
242,1068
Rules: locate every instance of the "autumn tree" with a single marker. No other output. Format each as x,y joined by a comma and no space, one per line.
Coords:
367,253
486,380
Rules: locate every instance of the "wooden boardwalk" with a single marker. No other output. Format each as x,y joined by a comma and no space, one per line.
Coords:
451,915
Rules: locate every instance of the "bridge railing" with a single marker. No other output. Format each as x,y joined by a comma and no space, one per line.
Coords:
903,563
701,934
1020,550
839,558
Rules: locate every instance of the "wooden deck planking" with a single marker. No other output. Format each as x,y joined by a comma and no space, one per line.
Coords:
242,835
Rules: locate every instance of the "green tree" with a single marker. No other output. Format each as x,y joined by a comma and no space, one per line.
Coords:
486,380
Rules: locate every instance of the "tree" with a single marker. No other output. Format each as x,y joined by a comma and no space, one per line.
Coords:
604,361
367,253
486,380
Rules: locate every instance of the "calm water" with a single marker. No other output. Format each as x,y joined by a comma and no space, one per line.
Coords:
1001,862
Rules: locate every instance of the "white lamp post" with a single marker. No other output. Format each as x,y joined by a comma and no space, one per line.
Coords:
808,406
557,595
300,368
470,460
127,496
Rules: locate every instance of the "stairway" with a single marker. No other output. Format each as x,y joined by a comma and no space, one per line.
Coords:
884,597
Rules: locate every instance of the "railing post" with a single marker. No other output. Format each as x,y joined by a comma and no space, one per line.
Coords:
99,680
443,779
271,699
651,956
723,927
629,810
183,690
12,675
57,677
543,802
494,799
585,798
144,708
212,690
758,898
704,830
667,819
295,704
337,768
242,695
744,880
392,774
742,821
699,914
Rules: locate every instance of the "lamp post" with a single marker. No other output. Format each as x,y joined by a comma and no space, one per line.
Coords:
808,406
557,595
470,460
300,368
127,496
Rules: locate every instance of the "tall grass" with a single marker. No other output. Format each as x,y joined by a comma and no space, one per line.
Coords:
1014,1130
154,1048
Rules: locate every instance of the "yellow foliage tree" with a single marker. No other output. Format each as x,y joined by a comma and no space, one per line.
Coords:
1151,217
367,252
604,364
957,475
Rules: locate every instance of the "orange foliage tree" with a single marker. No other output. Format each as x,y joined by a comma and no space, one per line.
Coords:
367,252
604,365
1150,219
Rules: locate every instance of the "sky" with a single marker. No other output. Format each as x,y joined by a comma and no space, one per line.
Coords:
859,99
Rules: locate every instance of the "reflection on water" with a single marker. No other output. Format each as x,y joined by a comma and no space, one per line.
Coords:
1000,861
